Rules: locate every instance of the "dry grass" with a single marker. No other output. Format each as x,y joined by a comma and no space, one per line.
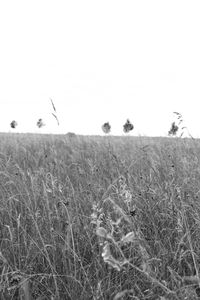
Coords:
99,217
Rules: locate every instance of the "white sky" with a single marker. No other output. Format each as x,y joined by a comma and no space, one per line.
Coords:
100,61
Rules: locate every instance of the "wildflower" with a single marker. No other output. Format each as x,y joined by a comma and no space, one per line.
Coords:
97,215
108,258
125,192
129,237
102,232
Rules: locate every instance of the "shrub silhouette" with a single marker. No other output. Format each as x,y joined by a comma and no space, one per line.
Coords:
40,123
106,127
71,134
173,130
128,126
13,124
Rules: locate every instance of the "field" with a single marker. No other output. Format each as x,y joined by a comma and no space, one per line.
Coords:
95,218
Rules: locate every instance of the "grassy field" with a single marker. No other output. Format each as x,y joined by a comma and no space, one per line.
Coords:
99,217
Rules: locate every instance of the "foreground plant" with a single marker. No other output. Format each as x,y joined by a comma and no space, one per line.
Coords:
122,244
124,247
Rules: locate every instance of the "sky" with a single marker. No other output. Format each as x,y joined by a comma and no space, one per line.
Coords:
99,61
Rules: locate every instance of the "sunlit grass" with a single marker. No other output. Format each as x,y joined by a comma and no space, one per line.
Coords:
99,217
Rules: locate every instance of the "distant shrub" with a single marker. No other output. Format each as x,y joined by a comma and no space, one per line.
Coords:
106,127
13,124
173,130
71,134
40,123
180,124
128,126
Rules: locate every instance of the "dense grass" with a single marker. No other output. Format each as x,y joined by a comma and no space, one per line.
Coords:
65,200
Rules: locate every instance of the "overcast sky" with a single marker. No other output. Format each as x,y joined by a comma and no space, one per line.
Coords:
100,61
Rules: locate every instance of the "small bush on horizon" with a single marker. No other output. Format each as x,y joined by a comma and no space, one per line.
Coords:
13,124
128,126
177,126
173,130
106,127
40,123
71,134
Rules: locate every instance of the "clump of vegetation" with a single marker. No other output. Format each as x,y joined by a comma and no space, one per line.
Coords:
179,126
40,123
71,134
106,127
13,124
128,126
173,130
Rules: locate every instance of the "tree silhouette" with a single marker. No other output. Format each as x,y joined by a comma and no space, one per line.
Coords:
13,124
173,130
40,123
128,126
106,127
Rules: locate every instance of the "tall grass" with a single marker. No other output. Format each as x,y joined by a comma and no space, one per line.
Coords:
99,217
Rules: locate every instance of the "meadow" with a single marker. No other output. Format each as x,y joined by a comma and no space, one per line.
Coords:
95,218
